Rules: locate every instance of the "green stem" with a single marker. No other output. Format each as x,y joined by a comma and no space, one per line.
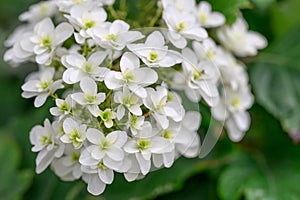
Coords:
54,96
111,60
85,49
123,5
156,17
113,12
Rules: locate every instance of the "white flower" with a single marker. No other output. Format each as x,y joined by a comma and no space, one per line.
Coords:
233,110
128,100
161,107
114,35
45,141
135,123
181,6
143,145
65,6
233,72
41,85
68,167
183,139
97,173
17,34
107,117
74,133
109,146
208,50
94,178
83,18
182,26
78,67
47,38
39,11
238,39
154,52
89,97
17,40
22,49
107,2
134,172
167,159
63,107
207,18
198,79
131,76
187,143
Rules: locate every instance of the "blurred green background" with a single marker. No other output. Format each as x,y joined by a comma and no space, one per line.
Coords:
264,166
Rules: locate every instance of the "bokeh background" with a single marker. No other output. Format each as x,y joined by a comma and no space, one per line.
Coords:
265,165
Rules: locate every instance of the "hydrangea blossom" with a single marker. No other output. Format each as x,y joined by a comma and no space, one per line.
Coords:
233,109
78,67
238,39
85,19
41,85
115,35
131,75
182,26
207,18
89,97
45,140
120,95
154,53
46,38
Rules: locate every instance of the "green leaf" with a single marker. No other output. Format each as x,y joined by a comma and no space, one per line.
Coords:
13,182
285,16
200,187
256,178
262,4
156,183
230,8
260,169
276,79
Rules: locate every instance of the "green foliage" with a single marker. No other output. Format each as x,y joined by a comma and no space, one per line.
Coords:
156,183
264,166
230,8
276,81
14,182
285,16
262,4
260,170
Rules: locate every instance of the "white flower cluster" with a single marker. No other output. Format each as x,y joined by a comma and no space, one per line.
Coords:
116,110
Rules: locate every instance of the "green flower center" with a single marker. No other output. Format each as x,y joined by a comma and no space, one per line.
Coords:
105,144
46,140
202,17
110,37
90,98
168,134
235,102
43,85
74,135
153,56
143,144
100,165
198,74
181,26
75,157
128,76
210,54
64,107
89,24
88,68
107,115
46,42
